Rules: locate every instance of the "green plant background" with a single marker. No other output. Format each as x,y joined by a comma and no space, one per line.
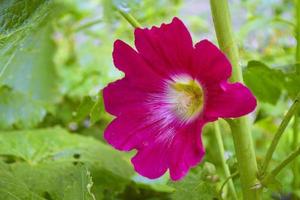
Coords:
55,57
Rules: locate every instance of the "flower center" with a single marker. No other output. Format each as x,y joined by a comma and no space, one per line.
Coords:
186,98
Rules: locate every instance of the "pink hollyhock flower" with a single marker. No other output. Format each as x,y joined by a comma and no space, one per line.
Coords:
170,90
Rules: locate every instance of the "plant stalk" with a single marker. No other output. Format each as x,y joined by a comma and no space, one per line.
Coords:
294,146
241,133
88,25
285,162
221,151
293,109
295,167
297,33
226,180
130,19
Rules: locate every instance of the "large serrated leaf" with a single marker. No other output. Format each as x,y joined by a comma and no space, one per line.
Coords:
12,188
59,145
58,181
111,170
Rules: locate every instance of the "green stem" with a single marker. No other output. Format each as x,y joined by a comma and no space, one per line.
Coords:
221,151
130,19
229,178
279,133
222,21
242,138
285,162
295,167
88,24
297,32
284,21
294,145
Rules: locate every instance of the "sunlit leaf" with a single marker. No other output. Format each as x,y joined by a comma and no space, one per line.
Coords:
26,62
54,149
12,188
57,181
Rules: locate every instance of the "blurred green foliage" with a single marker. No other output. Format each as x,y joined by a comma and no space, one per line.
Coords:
55,57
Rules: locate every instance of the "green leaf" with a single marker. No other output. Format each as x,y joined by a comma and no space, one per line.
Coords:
110,169
93,108
292,84
31,69
12,188
30,73
57,144
45,181
159,185
17,20
266,83
19,110
20,14
297,193
273,184
54,181
78,63
26,63
96,110
197,185
84,108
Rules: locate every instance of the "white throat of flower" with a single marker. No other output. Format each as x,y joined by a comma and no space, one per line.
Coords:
185,97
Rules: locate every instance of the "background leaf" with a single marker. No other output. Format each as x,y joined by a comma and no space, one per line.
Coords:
265,83
18,110
197,185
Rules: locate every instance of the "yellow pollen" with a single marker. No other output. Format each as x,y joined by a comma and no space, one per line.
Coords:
186,98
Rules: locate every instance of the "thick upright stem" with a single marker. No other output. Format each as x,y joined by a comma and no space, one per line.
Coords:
246,158
221,151
240,127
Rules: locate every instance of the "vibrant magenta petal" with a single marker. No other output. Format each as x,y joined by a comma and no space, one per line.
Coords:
130,62
170,90
187,150
128,130
210,64
152,161
176,149
168,48
229,100
120,93
160,145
